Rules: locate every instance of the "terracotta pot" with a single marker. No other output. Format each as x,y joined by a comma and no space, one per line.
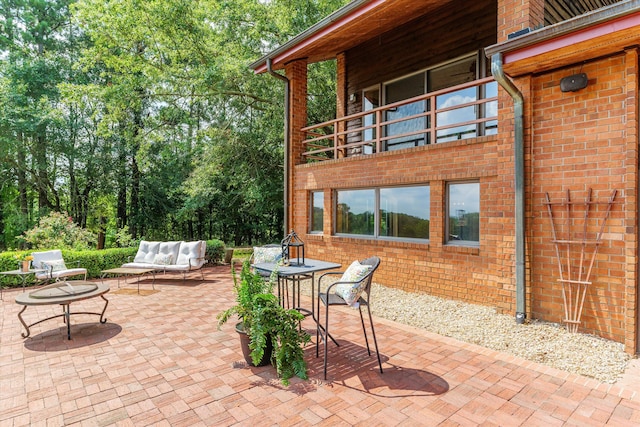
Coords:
26,265
246,351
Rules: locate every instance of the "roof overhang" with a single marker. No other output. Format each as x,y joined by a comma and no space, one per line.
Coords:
355,23
595,34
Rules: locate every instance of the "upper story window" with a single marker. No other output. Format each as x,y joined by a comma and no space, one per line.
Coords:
405,122
463,220
387,212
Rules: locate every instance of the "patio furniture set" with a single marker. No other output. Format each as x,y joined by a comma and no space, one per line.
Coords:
351,289
50,268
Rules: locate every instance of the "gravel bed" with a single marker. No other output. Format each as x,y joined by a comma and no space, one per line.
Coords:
541,342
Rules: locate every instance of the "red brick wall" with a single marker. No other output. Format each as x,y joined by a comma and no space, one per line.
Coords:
516,15
586,140
481,275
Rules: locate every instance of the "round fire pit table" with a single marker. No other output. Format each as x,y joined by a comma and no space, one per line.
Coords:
63,293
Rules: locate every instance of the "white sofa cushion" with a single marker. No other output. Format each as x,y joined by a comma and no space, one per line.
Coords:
147,251
191,251
170,250
40,257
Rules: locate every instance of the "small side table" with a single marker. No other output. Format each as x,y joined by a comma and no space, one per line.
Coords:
23,275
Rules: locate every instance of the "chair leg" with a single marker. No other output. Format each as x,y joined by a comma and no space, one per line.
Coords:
364,330
375,342
326,336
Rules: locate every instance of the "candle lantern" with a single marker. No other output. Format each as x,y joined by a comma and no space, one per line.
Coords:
290,244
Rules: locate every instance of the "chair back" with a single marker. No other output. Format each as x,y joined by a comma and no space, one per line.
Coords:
374,262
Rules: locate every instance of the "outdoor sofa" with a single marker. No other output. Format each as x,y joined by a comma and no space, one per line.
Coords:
167,257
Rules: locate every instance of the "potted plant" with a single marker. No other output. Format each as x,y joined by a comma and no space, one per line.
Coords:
272,332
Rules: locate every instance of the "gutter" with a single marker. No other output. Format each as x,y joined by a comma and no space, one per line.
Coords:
518,112
583,22
286,143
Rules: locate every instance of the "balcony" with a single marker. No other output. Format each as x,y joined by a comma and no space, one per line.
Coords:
459,112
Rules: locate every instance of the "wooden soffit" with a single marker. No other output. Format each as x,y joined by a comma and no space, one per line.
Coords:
599,33
350,26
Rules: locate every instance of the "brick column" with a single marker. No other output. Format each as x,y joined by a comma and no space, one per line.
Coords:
296,72
516,15
631,205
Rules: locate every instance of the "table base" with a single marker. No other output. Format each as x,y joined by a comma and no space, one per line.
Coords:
66,314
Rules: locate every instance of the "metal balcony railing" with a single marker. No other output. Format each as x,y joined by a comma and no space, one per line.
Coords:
464,111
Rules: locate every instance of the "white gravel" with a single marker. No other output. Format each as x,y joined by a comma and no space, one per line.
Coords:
541,342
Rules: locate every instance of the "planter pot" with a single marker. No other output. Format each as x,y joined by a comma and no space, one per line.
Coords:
246,351
26,265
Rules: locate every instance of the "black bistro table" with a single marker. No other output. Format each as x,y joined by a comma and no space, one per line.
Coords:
295,273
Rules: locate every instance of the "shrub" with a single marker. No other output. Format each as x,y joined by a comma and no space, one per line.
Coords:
215,251
58,231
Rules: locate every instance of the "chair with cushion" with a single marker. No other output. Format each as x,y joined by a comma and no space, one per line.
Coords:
352,289
54,266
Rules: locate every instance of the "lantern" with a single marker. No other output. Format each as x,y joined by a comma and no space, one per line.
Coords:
290,242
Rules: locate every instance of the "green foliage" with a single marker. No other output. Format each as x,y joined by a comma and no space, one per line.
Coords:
123,239
264,319
246,288
58,231
145,114
273,322
94,261
215,251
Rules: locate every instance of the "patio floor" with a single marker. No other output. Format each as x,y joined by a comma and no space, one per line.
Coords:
161,360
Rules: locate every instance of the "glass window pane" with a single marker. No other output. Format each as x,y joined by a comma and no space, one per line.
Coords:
405,212
457,115
370,101
355,212
317,211
398,91
464,212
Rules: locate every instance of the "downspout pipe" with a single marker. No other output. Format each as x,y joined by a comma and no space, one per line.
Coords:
286,142
518,111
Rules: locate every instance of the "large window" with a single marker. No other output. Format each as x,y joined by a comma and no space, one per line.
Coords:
404,212
408,121
317,212
390,212
463,201
355,212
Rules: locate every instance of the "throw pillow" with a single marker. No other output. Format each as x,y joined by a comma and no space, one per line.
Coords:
350,292
55,265
163,259
264,255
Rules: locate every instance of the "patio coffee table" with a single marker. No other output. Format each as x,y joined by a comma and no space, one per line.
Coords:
130,271
63,293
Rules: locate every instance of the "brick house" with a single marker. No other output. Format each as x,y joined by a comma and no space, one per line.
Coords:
483,150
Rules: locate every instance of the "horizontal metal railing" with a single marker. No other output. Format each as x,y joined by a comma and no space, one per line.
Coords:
347,135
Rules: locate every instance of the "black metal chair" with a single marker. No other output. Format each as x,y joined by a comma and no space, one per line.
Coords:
330,298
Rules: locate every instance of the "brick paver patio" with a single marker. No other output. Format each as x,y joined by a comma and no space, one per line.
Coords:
161,360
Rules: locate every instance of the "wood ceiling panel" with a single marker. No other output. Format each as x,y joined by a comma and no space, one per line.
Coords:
560,10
